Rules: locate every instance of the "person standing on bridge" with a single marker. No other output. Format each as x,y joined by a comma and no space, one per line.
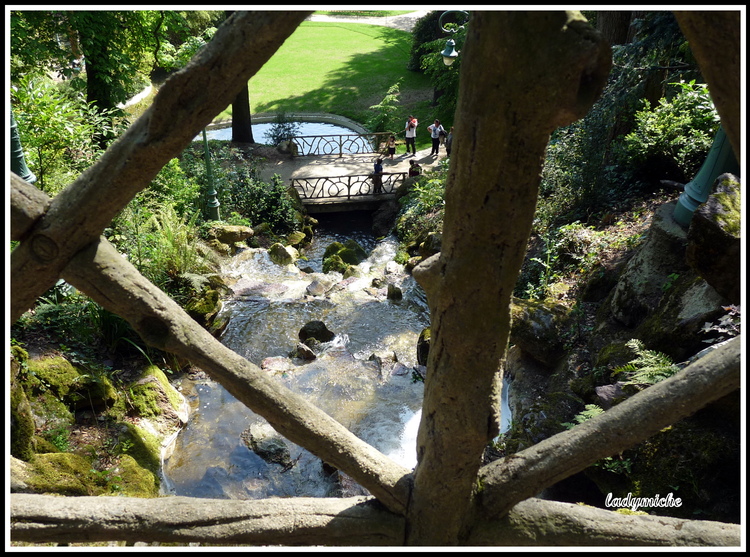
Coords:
392,146
377,177
435,130
411,134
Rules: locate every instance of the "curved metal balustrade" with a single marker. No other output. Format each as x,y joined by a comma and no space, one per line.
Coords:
339,188
339,144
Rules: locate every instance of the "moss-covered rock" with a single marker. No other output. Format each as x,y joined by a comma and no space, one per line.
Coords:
204,307
230,234
282,255
152,394
338,257
130,479
714,238
143,446
641,285
539,327
332,249
62,473
22,425
76,388
674,327
334,263
296,238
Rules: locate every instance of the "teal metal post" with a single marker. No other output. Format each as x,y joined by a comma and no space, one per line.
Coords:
720,159
212,203
17,159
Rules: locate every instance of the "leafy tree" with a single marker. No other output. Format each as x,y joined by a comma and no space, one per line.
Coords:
425,31
444,78
384,117
60,131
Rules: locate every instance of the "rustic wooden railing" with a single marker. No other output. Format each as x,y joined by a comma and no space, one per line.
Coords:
339,144
338,188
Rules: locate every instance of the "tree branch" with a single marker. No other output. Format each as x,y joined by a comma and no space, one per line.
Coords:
519,476
277,521
334,522
551,523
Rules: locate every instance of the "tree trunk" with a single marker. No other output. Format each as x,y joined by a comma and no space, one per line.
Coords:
545,70
614,26
714,38
242,125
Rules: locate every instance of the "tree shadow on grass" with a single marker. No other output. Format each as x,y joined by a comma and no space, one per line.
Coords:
362,82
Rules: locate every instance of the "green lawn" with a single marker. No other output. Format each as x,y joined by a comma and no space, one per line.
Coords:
339,68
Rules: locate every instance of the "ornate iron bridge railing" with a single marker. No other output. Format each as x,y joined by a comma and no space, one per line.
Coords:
339,144
339,188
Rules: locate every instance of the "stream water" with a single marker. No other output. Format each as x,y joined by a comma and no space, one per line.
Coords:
374,397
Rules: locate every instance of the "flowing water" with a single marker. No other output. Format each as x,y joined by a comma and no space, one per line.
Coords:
374,397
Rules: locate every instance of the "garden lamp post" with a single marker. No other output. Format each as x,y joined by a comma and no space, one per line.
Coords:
212,202
450,53
17,160
720,159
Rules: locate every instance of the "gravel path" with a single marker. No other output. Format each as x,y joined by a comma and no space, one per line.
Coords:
404,22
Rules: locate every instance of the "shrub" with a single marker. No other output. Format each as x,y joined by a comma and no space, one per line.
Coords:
260,202
422,208
283,128
384,116
681,128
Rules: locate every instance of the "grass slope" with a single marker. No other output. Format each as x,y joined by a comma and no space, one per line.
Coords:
340,68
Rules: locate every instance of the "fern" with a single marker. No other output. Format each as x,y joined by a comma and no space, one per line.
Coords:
590,411
648,367
196,282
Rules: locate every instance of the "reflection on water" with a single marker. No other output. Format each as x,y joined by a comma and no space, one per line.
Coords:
261,132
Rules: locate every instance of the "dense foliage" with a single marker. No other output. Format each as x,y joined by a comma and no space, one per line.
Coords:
654,121
61,133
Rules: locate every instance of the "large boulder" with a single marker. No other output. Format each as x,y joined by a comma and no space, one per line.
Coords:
283,255
539,329
650,272
230,234
713,248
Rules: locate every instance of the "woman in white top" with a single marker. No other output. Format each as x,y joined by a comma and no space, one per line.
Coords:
435,130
